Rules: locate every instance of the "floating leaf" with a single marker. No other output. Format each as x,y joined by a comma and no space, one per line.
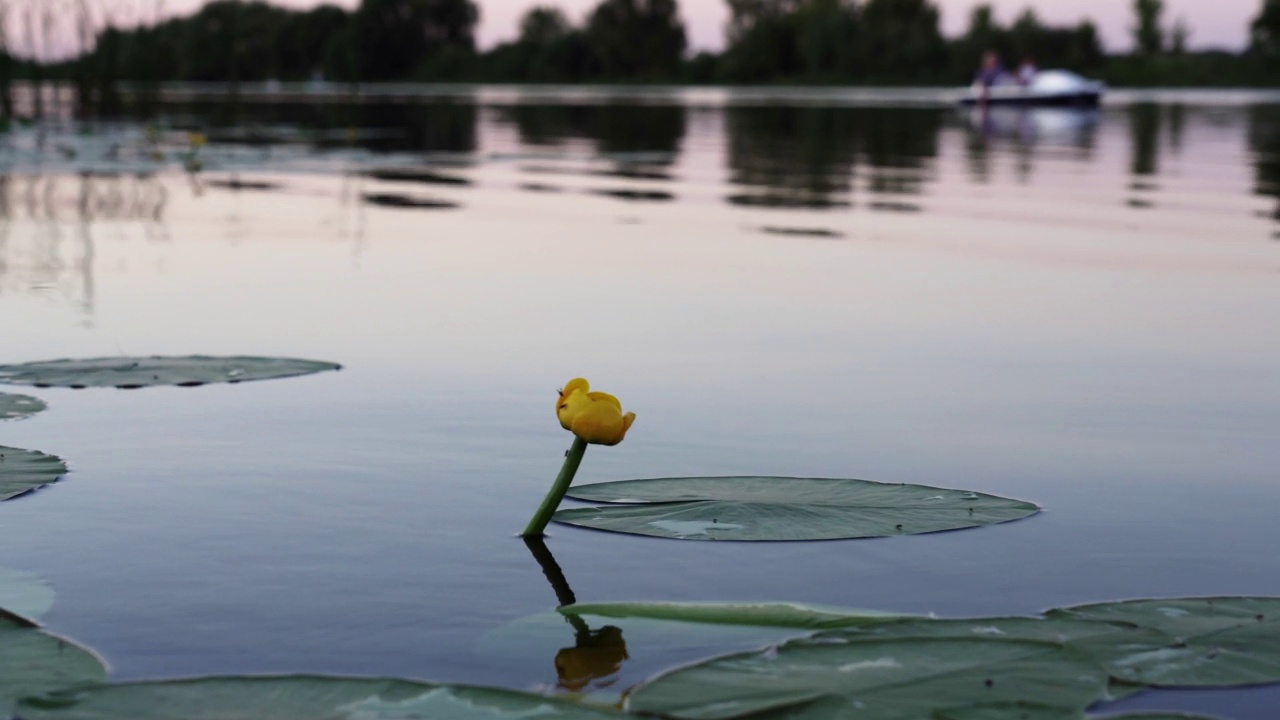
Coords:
1095,639
769,508
1010,711
16,407
299,697
816,678
780,615
1156,716
139,372
1201,642
22,471
33,662
24,593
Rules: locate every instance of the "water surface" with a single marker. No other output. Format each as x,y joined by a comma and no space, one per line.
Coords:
1073,309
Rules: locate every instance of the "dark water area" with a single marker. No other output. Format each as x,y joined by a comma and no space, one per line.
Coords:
1071,308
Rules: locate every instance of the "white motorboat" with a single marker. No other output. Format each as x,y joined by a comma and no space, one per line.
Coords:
1050,87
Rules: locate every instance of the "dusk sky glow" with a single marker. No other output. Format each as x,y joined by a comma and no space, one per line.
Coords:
1214,23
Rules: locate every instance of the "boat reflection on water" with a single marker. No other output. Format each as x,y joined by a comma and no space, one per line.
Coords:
1032,125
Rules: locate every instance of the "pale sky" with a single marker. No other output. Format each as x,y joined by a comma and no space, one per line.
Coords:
1214,23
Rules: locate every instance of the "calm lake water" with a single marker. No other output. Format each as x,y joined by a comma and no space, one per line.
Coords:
1073,309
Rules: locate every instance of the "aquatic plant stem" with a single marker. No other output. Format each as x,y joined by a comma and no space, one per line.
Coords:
570,468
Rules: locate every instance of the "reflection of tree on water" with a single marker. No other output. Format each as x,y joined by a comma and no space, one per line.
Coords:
617,129
46,259
805,156
435,126
596,657
1264,143
1144,138
898,145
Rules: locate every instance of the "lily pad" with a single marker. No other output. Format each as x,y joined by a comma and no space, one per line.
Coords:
1156,716
16,407
1010,711
33,662
22,471
299,697
140,372
775,508
1199,642
909,679
24,593
779,615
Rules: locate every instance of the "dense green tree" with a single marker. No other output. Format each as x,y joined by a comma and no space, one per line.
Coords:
1148,36
828,39
902,40
745,15
305,39
396,38
544,26
793,39
637,38
1179,35
1265,30
549,49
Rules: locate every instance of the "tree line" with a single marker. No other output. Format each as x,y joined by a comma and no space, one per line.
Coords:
767,41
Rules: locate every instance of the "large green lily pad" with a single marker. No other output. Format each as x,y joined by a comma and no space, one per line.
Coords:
909,679
1199,642
1156,716
776,614
1009,711
22,471
774,508
140,372
300,697
33,662
25,593
16,407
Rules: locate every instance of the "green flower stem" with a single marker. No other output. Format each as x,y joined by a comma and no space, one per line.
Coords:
571,462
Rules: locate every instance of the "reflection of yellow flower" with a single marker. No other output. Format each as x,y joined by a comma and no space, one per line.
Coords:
197,140
597,655
596,417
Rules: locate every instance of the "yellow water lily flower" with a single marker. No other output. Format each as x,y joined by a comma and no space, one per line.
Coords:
596,417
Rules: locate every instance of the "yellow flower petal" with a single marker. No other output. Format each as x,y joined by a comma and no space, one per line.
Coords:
571,400
600,423
606,397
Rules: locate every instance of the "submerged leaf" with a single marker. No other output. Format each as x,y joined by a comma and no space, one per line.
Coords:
33,662
22,471
139,372
299,697
16,407
24,593
905,679
775,508
1198,642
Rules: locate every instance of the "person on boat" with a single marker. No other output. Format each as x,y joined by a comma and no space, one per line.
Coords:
1027,71
989,73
